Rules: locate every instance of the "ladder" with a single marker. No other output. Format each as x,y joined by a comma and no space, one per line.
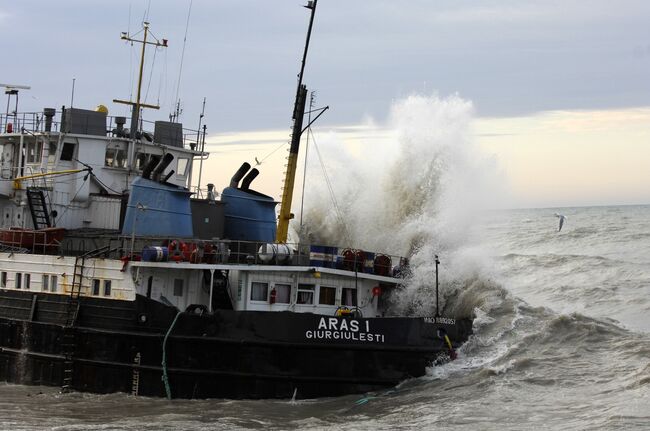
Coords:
68,344
38,208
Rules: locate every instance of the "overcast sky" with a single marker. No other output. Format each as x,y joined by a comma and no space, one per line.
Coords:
511,58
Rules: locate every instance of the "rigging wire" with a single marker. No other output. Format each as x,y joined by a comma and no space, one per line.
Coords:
153,63
259,162
180,70
67,207
304,174
337,208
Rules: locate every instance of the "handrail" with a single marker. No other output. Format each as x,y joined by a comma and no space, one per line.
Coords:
34,122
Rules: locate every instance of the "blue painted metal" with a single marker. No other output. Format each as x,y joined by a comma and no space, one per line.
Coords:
156,209
249,215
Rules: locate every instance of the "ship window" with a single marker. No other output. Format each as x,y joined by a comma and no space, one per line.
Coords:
178,287
282,293
53,283
67,152
305,294
115,156
327,295
18,281
140,161
107,287
3,279
46,283
349,297
34,151
95,287
28,279
181,168
259,291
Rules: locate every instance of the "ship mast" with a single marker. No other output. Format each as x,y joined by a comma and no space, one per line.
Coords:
137,105
298,115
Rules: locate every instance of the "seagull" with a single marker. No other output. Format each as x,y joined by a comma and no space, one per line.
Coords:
562,219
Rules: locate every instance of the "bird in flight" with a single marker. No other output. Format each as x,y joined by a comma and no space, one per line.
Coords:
562,220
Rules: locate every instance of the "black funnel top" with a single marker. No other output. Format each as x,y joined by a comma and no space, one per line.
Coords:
245,184
234,182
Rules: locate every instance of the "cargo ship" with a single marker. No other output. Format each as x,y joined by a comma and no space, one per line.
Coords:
118,275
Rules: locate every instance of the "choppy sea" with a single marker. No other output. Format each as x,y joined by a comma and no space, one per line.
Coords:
562,341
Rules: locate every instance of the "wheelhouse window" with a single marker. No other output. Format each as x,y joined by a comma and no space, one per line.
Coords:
67,152
53,283
259,291
305,294
327,295
141,160
28,280
181,167
282,293
349,297
34,151
178,287
3,279
96,284
19,281
115,155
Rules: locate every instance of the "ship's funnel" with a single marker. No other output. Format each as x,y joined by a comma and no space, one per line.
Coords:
148,168
234,182
248,179
167,159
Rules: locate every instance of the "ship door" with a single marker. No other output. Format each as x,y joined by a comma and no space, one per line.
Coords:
7,217
6,160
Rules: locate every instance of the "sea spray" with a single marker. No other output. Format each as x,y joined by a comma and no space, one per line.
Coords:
416,192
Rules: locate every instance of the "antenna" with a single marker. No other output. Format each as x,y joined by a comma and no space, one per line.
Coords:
72,97
180,69
200,146
12,90
137,105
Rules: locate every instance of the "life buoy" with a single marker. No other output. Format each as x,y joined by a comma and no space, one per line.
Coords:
175,250
382,265
348,259
353,260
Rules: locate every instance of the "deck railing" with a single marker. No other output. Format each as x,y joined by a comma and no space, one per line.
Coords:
158,249
34,122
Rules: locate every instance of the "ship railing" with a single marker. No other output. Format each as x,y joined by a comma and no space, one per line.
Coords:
34,122
30,121
31,241
221,251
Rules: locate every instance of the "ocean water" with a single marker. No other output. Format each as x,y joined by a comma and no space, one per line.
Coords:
562,319
562,341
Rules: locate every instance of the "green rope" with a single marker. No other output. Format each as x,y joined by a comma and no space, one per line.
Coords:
165,378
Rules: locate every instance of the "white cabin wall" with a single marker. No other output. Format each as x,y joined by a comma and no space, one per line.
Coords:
122,286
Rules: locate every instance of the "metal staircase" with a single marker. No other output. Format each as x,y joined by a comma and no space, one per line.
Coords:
38,208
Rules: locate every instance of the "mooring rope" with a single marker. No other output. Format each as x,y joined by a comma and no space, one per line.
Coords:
165,378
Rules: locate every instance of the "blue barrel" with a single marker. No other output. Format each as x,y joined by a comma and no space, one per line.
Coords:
155,254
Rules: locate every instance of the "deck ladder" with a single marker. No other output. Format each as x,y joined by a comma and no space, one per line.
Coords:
69,343
38,208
